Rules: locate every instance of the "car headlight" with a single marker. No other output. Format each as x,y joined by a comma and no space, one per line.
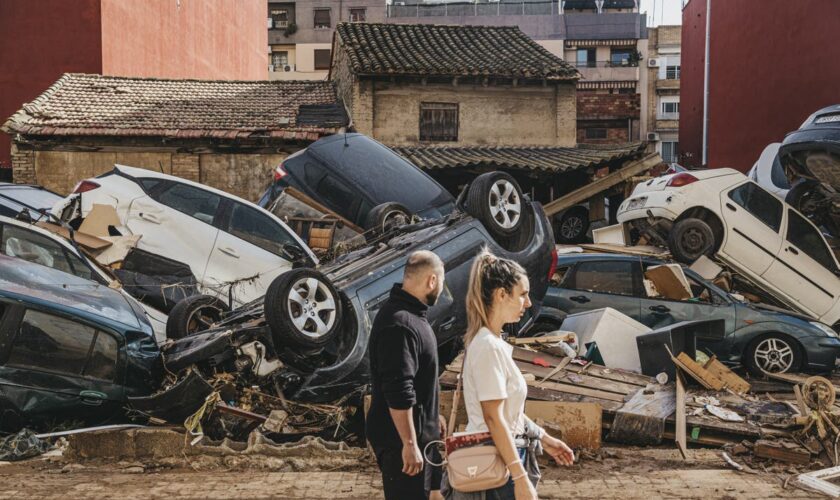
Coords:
825,328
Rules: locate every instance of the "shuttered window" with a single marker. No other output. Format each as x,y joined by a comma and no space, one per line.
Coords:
322,18
438,121
322,58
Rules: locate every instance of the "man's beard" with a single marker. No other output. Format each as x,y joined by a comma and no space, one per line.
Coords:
431,298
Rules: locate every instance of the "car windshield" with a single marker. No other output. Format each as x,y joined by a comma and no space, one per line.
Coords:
31,197
381,173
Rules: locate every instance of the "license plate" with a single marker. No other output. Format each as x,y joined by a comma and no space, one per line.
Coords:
637,203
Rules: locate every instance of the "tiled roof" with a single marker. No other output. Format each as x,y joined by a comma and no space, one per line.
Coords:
526,158
81,104
436,50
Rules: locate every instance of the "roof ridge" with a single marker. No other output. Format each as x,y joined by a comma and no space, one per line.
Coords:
185,80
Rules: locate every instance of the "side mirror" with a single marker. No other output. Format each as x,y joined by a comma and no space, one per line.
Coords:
293,251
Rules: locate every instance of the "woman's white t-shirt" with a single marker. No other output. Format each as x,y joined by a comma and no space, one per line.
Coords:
490,373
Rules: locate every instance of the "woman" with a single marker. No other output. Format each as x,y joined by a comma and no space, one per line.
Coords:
493,387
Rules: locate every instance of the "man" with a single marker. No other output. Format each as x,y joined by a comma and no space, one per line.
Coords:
403,415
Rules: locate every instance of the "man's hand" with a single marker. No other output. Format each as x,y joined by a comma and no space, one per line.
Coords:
558,450
442,426
412,459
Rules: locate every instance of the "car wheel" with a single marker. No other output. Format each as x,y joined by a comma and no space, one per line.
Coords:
689,239
773,353
496,200
303,309
385,217
801,196
573,225
194,314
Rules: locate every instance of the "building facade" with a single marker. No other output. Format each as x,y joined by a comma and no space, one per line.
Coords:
771,65
606,40
663,109
42,39
300,34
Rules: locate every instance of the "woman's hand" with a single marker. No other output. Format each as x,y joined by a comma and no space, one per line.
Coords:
558,450
524,490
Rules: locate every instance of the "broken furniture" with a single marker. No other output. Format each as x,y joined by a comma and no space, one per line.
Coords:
614,334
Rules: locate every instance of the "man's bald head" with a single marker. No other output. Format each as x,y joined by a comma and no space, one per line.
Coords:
423,276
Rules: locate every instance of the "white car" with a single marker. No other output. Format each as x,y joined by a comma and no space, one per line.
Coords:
769,173
722,212
29,242
233,247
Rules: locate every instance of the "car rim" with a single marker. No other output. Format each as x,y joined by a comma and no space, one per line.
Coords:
505,204
392,219
312,307
571,227
774,355
203,318
693,241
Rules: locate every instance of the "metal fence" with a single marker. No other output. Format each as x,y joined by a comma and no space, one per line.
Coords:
484,8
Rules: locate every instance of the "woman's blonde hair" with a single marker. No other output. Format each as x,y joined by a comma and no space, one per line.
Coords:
488,273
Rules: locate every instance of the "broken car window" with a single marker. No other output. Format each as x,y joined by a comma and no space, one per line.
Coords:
51,343
258,229
192,201
605,277
807,238
761,204
28,245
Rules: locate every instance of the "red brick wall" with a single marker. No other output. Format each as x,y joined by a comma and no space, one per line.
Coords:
771,65
606,106
615,134
40,40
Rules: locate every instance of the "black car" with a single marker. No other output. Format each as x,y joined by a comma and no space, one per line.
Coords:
352,175
15,198
315,322
70,349
758,336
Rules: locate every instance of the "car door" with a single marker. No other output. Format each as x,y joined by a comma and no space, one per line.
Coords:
55,368
177,221
752,220
805,269
250,251
595,284
27,244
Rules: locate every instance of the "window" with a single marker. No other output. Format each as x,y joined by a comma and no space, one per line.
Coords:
672,72
338,195
670,151
586,58
761,204
280,17
596,133
258,229
54,344
28,245
322,58
280,60
438,121
670,108
357,15
322,18
149,183
192,201
807,238
560,277
621,57
613,277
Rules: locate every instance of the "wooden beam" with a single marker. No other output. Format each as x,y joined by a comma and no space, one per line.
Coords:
600,185
679,426
782,450
298,195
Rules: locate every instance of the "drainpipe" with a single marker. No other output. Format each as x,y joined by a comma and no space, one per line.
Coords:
706,85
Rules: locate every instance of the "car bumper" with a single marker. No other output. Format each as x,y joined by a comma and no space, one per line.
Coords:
821,352
660,204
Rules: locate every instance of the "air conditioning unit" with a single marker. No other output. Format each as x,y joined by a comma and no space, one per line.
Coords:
282,24
653,63
287,68
652,136
271,68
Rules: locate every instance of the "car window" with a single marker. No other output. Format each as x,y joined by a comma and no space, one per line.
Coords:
259,229
33,197
561,277
761,204
614,277
149,183
192,201
777,174
29,245
808,239
336,194
102,363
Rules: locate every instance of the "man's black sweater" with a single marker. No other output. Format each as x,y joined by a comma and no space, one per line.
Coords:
404,370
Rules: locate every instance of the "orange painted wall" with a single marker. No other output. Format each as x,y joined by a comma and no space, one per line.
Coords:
217,39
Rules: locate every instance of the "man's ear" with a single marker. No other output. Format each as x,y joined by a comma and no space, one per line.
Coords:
432,282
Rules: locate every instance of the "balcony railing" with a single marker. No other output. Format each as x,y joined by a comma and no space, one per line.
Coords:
605,64
414,8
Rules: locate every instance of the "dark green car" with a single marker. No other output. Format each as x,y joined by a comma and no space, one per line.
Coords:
757,336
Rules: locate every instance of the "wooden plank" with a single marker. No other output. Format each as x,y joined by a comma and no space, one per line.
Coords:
548,339
782,450
791,378
729,378
300,196
641,250
641,420
582,391
567,377
800,401
597,186
578,424
679,429
697,372
598,371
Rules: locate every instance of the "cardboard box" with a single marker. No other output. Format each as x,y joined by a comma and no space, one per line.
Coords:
670,281
706,268
613,235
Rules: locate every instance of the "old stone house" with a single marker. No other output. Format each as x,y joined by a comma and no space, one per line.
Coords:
415,84
226,134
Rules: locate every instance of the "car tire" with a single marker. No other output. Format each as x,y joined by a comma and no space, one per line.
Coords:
572,225
303,309
495,199
689,239
773,352
194,314
385,217
799,195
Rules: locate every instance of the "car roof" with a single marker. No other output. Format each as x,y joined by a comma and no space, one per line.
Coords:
26,281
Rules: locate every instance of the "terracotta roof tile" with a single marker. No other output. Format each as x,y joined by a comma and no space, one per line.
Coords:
437,50
82,104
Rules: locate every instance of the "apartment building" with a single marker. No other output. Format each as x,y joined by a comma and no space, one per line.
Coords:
300,34
663,109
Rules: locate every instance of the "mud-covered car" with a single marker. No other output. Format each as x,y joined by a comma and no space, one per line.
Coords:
70,349
308,337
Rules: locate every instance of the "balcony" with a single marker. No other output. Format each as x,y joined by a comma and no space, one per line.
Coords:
606,71
668,84
417,8
667,124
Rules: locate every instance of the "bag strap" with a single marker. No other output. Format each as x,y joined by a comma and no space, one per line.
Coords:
456,398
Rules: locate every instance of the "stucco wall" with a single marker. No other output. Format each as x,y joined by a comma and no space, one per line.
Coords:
493,115
244,175
59,171
222,39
